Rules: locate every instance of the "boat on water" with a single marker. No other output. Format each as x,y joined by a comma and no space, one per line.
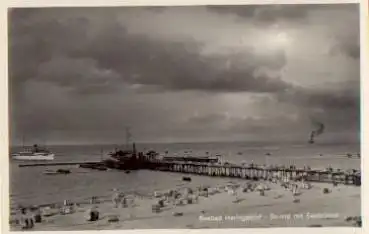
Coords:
124,159
57,172
34,154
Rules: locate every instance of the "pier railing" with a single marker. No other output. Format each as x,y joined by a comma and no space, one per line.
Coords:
226,170
256,173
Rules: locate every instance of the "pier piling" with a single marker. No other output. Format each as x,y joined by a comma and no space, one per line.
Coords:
255,173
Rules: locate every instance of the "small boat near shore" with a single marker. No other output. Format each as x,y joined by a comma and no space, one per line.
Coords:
185,178
95,166
57,172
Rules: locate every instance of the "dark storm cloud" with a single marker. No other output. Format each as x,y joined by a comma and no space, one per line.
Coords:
346,97
61,51
273,13
192,62
338,109
350,49
267,126
81,74
348,40
211,119
266,14
34,40
336,105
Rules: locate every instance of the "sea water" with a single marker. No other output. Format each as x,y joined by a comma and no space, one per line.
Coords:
30,186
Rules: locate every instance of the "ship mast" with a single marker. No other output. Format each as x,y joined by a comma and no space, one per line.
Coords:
128,136
101,154
23,142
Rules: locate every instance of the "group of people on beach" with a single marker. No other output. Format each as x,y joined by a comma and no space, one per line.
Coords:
29,217
174,197
119,199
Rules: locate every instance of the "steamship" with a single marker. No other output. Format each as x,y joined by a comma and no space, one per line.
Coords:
34,154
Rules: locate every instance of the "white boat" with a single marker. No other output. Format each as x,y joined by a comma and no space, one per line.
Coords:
35,154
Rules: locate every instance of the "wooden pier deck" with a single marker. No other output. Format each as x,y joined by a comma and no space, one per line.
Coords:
229,170
256,173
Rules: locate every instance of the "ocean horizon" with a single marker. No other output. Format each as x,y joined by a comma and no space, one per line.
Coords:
259,142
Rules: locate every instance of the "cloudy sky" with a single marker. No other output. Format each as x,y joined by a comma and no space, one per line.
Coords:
177,74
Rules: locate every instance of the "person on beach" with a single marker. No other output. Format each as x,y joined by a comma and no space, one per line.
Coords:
116,199
67,207
37,215
304,184
26,221
284,185
93,200
295,189
92,214
123,200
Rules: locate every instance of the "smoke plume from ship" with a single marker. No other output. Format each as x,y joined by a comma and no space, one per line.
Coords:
316,132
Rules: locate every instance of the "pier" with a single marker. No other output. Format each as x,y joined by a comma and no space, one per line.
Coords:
256,173
58,164
230,170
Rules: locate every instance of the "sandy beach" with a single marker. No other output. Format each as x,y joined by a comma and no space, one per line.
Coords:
226,206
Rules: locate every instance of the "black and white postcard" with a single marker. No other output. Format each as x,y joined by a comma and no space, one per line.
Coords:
184,116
